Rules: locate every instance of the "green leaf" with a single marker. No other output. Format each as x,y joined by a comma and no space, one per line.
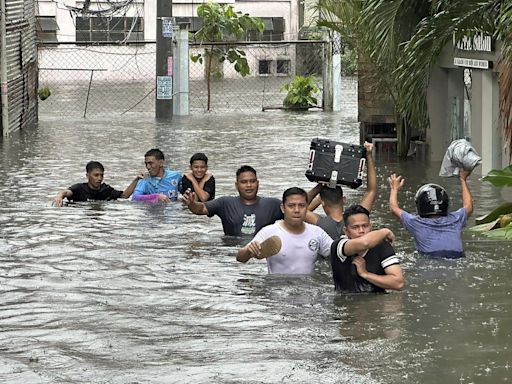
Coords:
486,227
502,233
500,178
503,209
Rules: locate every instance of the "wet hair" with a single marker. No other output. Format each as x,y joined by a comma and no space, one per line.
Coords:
92,165
294,191
199,157
331,196
245,168
156,153
354,210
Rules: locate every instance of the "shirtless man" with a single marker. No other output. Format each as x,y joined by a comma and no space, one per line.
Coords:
301,243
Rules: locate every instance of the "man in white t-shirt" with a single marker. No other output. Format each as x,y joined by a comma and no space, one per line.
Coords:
301,243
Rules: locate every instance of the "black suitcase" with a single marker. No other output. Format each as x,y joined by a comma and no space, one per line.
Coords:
334,163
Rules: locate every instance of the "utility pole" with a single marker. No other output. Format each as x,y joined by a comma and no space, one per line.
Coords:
164,59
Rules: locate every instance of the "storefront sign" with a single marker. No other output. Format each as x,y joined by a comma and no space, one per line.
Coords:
471,63
477,43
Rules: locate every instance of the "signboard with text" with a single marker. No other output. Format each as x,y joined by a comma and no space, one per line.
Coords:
167,28
164,87
471,63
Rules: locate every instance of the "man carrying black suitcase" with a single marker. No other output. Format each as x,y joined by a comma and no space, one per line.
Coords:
332,200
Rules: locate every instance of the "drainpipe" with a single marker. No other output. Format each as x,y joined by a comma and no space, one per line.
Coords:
3,70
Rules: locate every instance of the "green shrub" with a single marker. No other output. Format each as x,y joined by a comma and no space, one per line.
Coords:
44,93
301,92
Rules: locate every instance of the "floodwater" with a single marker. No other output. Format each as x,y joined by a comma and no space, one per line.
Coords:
120,292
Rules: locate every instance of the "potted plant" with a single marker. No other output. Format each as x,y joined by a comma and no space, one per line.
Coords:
301,93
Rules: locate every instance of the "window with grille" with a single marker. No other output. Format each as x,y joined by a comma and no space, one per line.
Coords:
264,67
113,29
283,67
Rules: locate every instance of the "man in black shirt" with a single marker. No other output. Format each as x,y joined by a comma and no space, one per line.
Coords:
364,260
94,189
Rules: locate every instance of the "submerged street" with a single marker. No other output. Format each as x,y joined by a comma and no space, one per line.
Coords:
123,292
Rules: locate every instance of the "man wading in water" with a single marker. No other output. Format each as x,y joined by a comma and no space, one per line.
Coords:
245,214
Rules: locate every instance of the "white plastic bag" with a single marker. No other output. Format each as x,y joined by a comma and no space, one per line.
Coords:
460,154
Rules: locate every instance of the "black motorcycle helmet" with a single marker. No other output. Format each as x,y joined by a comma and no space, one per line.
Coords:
431,199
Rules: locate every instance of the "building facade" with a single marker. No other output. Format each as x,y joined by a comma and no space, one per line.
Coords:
71,20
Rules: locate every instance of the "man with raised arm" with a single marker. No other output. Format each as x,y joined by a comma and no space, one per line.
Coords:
436,231
332,200
244,214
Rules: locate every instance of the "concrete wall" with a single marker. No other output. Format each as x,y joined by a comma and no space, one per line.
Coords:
445,100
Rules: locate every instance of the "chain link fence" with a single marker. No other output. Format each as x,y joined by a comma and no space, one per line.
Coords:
90,79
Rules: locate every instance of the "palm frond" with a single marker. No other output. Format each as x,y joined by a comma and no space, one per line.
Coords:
504,34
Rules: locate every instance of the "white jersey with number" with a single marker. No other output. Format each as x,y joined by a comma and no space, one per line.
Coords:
298,253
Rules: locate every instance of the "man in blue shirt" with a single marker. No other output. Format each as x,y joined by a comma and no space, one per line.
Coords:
436,231
162,184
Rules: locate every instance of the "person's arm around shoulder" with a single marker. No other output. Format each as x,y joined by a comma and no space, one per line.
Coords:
393,278
131,187
467,198
59,199
371,239
208,185
396,182
190,200
370,195
198,188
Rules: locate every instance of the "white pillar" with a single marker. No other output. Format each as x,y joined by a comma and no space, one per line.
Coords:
485,125
181,73
336,72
